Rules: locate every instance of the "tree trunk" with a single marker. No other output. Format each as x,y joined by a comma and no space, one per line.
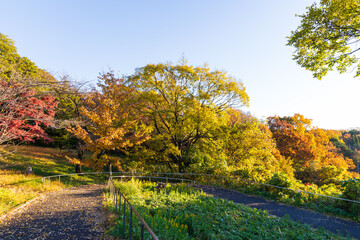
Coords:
78,168
80,154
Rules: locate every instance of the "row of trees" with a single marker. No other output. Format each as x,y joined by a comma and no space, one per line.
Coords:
181,118
163,118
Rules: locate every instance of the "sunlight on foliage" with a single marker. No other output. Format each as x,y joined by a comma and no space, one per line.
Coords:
180,212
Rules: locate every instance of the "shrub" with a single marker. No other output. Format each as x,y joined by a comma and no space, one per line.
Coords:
331,174
351,191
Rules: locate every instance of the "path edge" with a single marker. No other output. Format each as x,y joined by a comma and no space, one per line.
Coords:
19,208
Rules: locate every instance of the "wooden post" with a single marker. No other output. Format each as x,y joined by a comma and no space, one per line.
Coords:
110,170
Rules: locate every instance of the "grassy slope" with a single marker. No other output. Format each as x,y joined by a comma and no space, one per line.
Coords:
179,212
17,188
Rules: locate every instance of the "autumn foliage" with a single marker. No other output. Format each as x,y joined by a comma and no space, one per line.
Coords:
111,121
23,112
167,117
309,148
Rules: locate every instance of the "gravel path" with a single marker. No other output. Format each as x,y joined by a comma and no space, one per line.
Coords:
72,213
298,214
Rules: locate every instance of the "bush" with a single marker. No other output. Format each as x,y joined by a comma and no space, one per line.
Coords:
281,180
351,191
331,174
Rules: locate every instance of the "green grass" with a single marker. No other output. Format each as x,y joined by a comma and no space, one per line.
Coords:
319,204
180,212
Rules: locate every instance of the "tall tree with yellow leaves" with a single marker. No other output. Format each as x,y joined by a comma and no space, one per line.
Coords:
187,107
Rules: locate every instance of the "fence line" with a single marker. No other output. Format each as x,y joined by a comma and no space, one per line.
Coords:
117,196
151,177
263,184
206,175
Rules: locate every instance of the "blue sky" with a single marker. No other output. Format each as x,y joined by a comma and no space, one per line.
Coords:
245,38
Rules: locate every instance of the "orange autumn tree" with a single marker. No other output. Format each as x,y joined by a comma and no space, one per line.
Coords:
111,121
308,147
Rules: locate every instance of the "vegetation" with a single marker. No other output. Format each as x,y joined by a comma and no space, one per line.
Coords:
180,212
312,153
16,187
186,106
327,37
175,118
111,123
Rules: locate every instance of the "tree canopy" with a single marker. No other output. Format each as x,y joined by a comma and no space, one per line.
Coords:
23,113
328,37
24,110
250,149
309,148
111,122
12,63
186,106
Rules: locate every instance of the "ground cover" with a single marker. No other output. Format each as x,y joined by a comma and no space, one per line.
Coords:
350,189
316,202
181,212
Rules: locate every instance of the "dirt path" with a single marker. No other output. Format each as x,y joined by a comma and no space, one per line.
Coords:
73,213
298,214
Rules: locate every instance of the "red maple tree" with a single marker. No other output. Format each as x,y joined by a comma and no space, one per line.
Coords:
23,112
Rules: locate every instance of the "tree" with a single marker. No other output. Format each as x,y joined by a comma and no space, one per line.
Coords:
327,37
23,111
250,149
69,95
11,63
308,147
111,122
292,139
186,106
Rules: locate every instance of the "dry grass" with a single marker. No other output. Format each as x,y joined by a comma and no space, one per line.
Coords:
16,187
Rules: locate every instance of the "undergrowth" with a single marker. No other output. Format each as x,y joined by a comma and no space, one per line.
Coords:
181,212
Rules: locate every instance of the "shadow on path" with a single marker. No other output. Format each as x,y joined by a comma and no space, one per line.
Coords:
314,219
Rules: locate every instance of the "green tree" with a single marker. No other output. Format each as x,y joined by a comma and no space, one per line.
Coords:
11,63
186,106
250,149
327,37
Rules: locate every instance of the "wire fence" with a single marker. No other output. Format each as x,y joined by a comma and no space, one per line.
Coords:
335,204
64,178
191,177
151,178
284,194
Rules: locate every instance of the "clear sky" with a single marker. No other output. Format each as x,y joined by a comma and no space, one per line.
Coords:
243,37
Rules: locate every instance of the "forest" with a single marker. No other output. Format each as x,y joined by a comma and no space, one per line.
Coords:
169,118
